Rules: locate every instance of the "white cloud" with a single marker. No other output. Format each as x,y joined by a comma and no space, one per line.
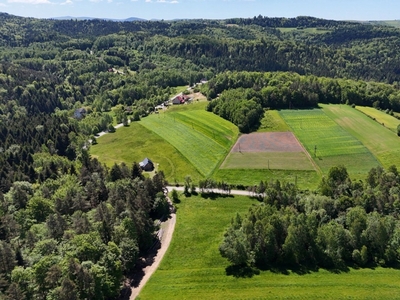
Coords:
67,2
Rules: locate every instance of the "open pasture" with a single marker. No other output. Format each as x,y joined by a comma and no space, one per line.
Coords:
381,142
134,143
201,137
381,117
193,268
328,143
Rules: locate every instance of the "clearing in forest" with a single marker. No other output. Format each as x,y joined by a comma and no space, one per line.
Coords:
194,269
328,143
268,150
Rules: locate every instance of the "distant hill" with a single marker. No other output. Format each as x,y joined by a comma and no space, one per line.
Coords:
393,23
131,19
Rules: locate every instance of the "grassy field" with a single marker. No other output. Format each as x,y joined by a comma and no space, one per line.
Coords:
380,117
303,179
203,138
273,122
267,160
382,142
194,269
334,144
134,143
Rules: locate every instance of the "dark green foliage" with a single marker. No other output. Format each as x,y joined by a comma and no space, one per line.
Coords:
319,231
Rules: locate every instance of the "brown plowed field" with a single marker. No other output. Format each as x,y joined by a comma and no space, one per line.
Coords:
268,142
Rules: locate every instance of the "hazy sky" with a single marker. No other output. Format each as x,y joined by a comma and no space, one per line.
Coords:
206,9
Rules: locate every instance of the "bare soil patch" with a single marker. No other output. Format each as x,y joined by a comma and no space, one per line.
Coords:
268,142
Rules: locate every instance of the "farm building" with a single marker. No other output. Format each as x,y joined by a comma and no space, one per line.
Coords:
146,165
181,99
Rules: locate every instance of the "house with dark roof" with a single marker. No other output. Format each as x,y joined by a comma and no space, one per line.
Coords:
146,165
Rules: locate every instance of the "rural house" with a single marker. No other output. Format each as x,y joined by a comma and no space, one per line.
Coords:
180,99
146,165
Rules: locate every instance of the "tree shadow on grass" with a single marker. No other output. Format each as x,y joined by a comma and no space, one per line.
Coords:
214,196
241,271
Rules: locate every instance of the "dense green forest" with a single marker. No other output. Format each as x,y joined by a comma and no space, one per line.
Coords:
346,224
73,228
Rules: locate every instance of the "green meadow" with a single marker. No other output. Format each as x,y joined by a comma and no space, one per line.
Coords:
248,177
329,143
381,117
193,268
201,137
184,140
273,122
381,141
268,160
134,143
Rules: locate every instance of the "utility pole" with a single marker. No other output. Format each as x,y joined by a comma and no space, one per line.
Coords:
315,151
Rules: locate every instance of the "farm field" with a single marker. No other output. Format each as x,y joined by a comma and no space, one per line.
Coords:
380,117
313,127
194,269
381,142
268,160
303,179
134,143
268,150
202,137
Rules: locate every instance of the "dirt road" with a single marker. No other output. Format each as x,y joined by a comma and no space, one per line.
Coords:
168,230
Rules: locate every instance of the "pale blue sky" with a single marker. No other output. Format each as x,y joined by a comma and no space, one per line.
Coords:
207,9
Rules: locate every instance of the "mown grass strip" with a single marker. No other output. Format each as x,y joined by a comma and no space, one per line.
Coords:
193,268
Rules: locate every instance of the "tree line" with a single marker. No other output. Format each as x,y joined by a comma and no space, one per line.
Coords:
241,97
345,224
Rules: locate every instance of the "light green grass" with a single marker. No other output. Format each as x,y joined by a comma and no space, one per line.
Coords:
380,117
273,122
304,179
178,89
383,143
193,268
267,160
134,143
313,127
203,138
